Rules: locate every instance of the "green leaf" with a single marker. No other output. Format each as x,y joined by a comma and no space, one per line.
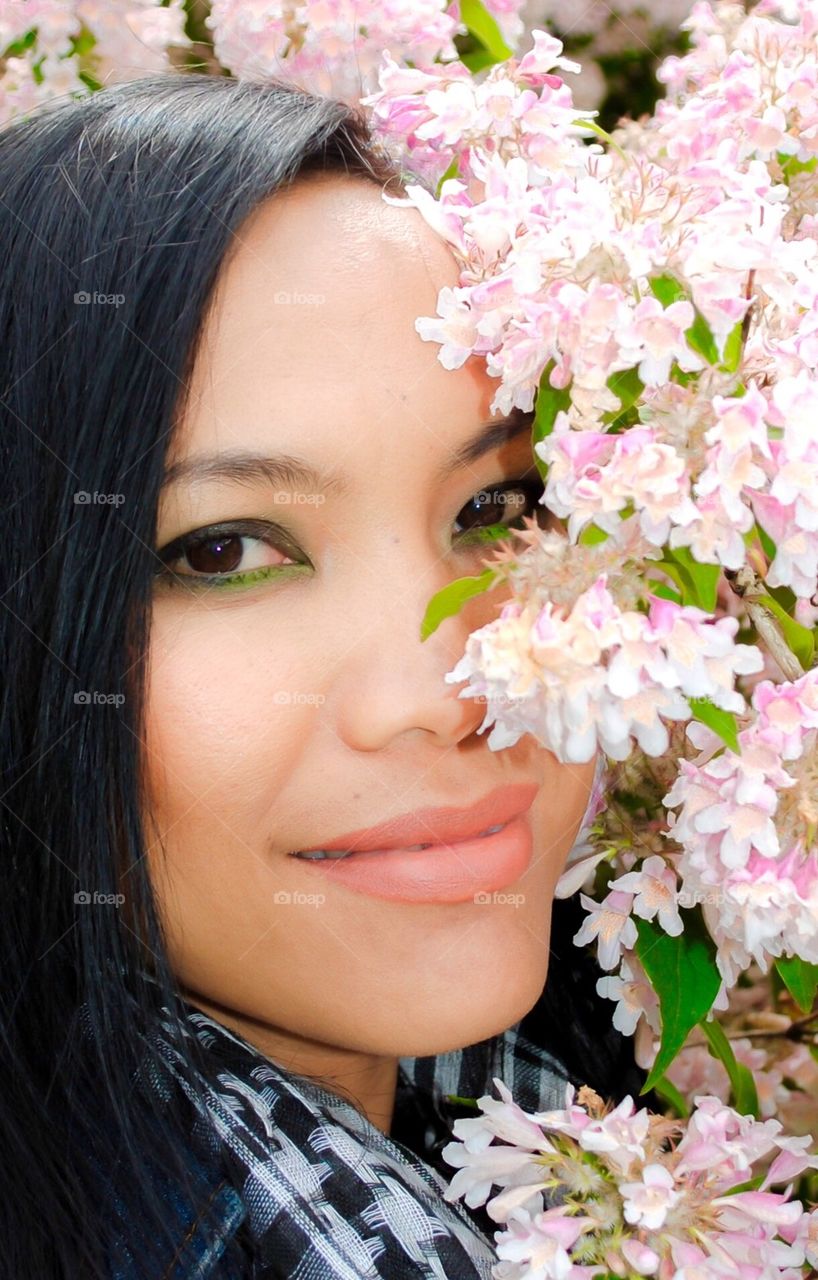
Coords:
716,718
627,386
84,42
668,1092
487,533
683,973
766,542
800,979
664,592
452,172
550,400
483,26
700,339
477,59
18,47
90,81
752,1184
667,289
745,1096
733,348
784,595
698,582
451,598
591,536
699,336
792,165
799,638
602,134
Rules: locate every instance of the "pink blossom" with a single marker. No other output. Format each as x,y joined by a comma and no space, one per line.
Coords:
654,887
635,997
608,922
648,1201
655,338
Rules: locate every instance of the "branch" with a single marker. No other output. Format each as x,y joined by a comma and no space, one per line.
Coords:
746,584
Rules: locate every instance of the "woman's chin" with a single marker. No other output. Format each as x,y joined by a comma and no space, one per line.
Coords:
477,1012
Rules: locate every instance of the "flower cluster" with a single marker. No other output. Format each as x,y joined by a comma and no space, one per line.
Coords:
743,846
598,674
618,44
335,47
656,301
53,49
747,825
668,284
639,1195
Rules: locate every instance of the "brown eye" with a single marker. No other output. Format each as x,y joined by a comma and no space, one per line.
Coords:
220,551
500,504
216,555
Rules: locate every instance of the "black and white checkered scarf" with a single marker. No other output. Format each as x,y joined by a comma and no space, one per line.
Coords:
323,1194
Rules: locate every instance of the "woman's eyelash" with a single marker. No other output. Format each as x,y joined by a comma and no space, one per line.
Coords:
222,535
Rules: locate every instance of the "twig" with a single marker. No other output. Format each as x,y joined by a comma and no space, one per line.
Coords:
746,583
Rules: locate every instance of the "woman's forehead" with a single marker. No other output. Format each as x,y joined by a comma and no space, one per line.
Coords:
314,316
335,236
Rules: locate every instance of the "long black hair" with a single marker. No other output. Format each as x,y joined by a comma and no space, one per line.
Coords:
116,213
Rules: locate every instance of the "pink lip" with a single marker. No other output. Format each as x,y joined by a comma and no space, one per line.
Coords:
438,826
456,868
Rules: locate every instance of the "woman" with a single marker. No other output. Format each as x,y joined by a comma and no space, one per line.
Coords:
234,475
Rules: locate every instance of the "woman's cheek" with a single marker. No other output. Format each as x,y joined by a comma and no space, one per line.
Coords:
227,715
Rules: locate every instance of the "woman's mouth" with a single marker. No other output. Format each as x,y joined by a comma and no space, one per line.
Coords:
410,848
458,867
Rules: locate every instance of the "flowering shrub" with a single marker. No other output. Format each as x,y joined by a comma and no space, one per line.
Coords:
650,297
52,48
639,1194
619,46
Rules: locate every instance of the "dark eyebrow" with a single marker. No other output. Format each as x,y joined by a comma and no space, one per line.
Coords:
243,467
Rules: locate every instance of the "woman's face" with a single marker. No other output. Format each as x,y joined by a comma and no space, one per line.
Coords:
295,706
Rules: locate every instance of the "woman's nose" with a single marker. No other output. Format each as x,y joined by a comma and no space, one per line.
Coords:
390,683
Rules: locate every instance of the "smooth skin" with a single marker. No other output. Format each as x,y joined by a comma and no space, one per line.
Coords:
286,711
